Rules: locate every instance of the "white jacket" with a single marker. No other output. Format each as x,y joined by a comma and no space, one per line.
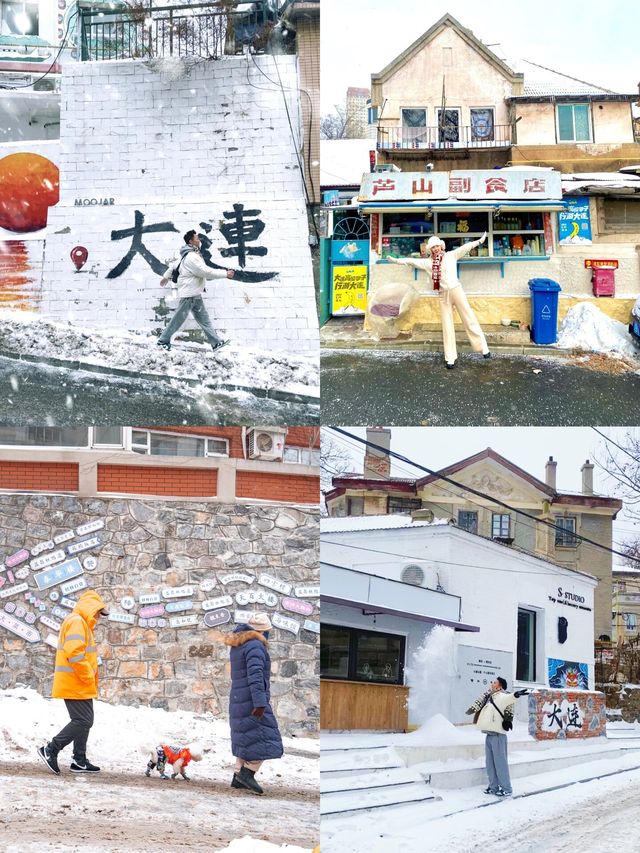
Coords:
449,269
193,275
489,719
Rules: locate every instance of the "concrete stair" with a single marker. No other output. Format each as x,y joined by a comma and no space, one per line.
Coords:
361,779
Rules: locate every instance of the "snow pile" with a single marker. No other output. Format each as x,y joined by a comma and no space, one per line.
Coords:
431,674
29,334
585,327
253,845
438,730
27,720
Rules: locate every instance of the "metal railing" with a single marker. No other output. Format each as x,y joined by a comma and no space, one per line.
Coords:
428,138
145,31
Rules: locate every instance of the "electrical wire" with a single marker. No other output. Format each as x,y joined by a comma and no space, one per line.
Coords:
615,444
48,71
469,489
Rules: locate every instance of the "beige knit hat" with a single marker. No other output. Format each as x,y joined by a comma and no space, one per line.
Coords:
259,622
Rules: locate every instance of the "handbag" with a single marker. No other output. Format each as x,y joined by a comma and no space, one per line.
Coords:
507,725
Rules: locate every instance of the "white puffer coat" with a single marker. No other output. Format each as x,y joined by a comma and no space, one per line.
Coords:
449,269
193,274
489,719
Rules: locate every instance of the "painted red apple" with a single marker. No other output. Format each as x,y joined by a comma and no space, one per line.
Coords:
29,186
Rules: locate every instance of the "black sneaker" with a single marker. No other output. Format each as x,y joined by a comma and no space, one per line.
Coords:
220,345
163,345
49,759
489,791
83,767
502,793
450,365
246,778
486,355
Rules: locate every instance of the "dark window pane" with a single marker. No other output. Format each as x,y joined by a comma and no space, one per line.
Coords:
468,521
526,646
399,505
334,652
378,658
45,436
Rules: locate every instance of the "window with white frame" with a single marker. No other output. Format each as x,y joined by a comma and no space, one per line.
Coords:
566,532
107,436
40,436
574,122
500,525
448,124
301,455
468,520
18,18
414,124
174,444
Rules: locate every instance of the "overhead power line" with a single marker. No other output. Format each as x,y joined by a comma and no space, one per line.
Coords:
467,488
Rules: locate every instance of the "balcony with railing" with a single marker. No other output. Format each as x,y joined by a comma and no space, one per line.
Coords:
201,30
444,138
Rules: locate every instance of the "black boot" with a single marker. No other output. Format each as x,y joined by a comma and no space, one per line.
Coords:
246,778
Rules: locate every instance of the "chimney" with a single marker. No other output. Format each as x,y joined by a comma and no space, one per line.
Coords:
377,464
550,473
587,478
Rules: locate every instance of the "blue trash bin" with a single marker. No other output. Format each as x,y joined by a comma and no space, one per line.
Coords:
544,310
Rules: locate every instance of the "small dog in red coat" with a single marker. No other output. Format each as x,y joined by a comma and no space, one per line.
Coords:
177,756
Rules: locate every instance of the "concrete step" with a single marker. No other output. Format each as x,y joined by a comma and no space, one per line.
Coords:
463,774
342,803
347,762
366,781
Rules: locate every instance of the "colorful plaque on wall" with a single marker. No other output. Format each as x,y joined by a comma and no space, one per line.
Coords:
274,583
215,603
177,592
183,621
236,577
217,617
296,606
285,624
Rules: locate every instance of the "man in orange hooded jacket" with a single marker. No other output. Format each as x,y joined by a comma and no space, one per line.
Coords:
76,681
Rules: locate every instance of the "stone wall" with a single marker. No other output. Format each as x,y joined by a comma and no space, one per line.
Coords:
145,547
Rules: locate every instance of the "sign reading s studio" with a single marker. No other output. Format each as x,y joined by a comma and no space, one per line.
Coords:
572,599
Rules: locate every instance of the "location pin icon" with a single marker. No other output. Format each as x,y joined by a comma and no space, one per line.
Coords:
79,257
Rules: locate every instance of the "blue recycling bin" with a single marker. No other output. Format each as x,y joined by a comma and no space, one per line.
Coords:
544,310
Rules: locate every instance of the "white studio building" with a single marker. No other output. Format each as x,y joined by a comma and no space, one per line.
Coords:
387,581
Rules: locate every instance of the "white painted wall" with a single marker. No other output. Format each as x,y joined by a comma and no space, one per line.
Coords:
493,582
181,149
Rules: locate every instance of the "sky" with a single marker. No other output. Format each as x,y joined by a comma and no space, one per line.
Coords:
528,447
592,41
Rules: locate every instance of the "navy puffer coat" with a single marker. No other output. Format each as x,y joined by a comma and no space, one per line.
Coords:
252,739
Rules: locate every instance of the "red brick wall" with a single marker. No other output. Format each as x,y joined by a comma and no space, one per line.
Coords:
303,436
278,487
39,476
143,480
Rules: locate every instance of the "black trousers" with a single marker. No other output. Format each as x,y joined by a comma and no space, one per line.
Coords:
77,730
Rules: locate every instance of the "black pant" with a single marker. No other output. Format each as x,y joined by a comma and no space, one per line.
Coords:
81,713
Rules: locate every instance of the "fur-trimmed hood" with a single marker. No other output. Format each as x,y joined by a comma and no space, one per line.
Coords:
239,638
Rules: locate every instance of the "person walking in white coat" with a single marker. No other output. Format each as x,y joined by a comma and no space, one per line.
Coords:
193,274
441,267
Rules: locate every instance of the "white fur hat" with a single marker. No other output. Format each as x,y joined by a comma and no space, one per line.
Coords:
434,241
259,622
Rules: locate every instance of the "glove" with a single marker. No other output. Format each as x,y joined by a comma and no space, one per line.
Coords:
483,238
258,712
519,693
507,725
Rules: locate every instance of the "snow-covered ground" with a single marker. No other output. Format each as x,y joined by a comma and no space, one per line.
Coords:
28,334
120,809
579,793
586,327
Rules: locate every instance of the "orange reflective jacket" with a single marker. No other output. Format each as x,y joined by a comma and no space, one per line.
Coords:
76,669
174,753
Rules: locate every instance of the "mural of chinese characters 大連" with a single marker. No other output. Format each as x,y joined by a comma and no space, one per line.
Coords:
568,675
243,227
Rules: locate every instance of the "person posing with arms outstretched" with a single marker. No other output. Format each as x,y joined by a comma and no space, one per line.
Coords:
441,267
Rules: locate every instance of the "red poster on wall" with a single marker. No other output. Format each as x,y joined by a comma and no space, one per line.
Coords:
375,230
548,234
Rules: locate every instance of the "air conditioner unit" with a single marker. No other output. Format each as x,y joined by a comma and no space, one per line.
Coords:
417,574
386,167
265,443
